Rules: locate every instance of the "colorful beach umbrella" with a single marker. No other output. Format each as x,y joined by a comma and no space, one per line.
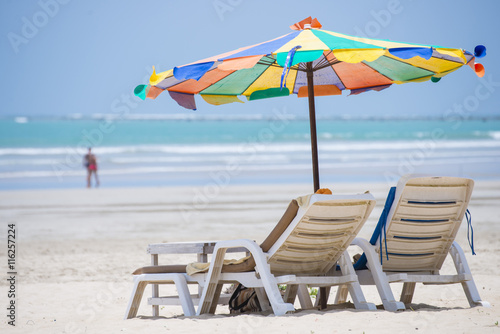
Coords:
307,62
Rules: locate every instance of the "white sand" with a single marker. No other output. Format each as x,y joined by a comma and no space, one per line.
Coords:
77,248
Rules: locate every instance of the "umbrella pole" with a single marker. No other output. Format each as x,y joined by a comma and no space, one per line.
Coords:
323,298
312,123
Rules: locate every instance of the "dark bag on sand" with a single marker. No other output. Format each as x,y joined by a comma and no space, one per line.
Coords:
244,300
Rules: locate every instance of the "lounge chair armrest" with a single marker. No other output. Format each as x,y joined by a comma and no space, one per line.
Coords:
248,244
369,250
251,246
363,244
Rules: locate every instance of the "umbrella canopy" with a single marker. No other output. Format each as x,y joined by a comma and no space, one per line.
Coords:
308,62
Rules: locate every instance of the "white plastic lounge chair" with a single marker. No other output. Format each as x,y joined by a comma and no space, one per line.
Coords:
308,241
415,234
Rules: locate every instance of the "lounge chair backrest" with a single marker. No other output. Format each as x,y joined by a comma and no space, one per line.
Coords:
318,235
423,222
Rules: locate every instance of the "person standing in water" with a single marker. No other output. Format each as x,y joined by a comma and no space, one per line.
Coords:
90,162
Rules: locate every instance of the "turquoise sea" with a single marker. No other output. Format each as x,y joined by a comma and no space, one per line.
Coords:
160,151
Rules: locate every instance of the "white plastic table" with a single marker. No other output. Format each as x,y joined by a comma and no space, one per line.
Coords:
200,248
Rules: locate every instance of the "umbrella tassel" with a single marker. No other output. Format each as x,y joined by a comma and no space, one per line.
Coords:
288,64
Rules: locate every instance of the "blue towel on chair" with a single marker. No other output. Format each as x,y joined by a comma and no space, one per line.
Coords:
377,234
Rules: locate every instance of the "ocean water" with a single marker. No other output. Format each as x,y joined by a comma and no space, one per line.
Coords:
159,151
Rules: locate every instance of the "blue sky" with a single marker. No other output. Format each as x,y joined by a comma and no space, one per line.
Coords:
62,57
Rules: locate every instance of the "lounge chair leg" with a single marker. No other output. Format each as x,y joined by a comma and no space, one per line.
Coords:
268,280
263,300
262,268
215,300
341,296
358,298
380,278
140,283
135,298
407,292
290,293
469,286
184,294
212,283
304,297
271,286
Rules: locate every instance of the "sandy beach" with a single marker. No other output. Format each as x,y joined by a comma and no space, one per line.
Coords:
76,249
206,119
